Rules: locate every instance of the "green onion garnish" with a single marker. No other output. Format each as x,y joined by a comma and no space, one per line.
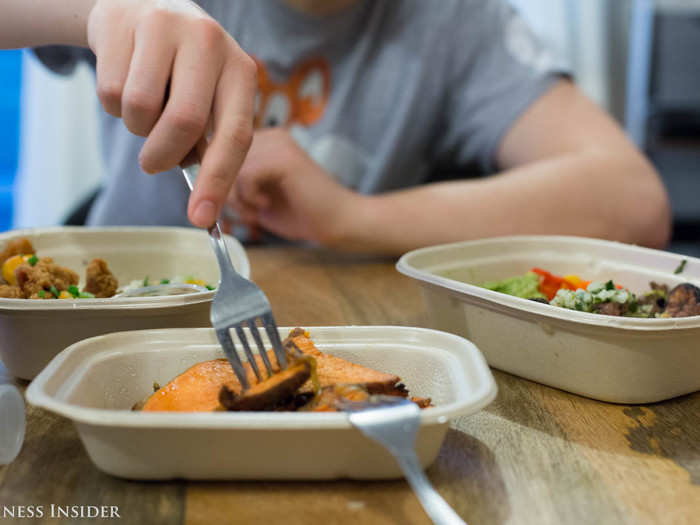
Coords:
610,285
145,281
41,293
73,290
210,287
54,291
681,267
85,295
165,281
33,260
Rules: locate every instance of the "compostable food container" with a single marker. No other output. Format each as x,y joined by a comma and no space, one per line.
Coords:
616,359
32,331
95,382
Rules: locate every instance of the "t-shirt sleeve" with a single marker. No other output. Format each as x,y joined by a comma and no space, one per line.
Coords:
63,59
500,70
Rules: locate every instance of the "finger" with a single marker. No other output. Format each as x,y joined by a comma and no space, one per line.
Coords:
260,171
230,141
151,65
113,49
183,121
253,188
243,212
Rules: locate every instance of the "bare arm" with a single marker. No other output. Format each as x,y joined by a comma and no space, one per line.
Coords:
569,169
28,23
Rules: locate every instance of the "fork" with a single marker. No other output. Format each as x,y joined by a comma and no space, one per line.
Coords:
393,422
238,302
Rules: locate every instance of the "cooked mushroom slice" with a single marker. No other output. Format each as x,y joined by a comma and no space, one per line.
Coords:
683,301
267,394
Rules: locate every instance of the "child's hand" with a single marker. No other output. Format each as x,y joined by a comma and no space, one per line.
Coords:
141,47
281,189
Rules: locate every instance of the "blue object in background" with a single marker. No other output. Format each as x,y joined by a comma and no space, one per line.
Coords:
11,74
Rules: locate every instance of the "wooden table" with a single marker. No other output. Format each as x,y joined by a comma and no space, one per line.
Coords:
536,455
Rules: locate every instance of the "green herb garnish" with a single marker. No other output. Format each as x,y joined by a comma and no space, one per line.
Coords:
210,287
165,281
610,285
41,293
681,267
54,291
33,260
145,281
73,290
85,295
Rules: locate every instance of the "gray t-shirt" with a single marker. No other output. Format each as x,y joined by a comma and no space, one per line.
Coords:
381,95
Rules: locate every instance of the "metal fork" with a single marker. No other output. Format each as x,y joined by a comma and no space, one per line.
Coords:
393,422
238,302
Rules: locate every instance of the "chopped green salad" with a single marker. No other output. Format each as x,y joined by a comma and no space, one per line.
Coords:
601,297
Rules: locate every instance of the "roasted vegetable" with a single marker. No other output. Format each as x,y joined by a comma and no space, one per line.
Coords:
212,385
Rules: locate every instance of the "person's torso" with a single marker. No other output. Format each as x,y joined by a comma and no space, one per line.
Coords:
363,91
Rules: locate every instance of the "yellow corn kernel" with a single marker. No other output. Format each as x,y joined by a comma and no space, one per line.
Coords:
197,282
9,267
65,295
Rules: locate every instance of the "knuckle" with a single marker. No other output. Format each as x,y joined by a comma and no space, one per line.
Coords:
157,17
248,67
240,134
139,101
210,32
188,120
110,95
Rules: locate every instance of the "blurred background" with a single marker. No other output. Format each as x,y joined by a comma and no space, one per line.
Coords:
637,58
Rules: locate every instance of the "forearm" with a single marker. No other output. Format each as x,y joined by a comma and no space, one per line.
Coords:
28,23
576,194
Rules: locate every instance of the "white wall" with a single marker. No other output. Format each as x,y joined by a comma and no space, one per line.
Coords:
578,32
59,160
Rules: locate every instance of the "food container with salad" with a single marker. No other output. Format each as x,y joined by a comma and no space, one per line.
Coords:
606,320
60,285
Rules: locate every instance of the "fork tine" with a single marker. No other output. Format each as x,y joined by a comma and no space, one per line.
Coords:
273,333
261,347
248,352
229,349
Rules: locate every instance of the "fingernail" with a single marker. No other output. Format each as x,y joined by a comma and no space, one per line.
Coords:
204,214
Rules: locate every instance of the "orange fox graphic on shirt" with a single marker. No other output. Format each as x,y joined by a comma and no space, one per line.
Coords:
301,99
297,103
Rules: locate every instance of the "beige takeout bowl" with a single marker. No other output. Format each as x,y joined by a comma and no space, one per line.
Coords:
34,331
95,382
616,359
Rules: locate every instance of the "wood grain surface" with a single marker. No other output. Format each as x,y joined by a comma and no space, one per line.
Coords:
534,456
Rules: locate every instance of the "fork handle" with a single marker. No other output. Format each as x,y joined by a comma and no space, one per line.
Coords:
435,506
190,170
